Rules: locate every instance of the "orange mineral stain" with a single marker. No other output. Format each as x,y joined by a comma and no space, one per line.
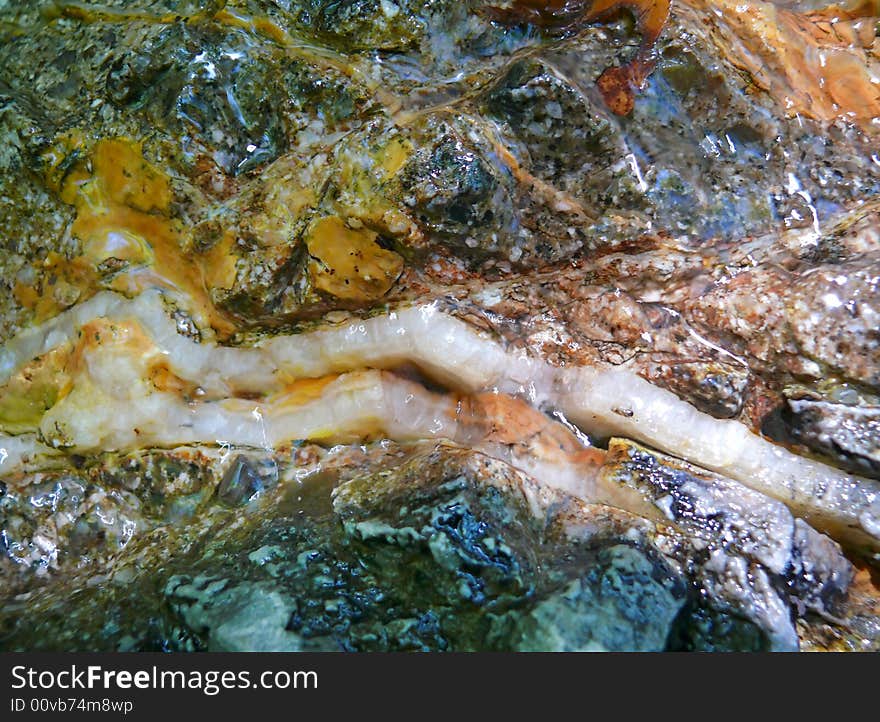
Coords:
129,239
821,64
302,391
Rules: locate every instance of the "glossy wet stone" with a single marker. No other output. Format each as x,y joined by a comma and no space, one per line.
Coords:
458,561
277,167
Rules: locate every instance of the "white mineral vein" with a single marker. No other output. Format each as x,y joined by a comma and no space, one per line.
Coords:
114,408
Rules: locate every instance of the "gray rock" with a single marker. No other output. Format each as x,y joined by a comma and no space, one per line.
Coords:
746,551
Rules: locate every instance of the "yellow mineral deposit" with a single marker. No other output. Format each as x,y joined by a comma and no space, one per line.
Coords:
348,263
129,238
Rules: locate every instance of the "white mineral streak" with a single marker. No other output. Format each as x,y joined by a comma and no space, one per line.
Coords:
354,406
446,349
17,451
217,368
600,401
617,402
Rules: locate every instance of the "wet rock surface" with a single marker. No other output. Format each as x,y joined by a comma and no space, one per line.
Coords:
846,433
465,564
281,167
750,554
439,548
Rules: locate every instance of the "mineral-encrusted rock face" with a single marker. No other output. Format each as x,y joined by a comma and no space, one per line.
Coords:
442,549
303,303
516,160
849,433
750,555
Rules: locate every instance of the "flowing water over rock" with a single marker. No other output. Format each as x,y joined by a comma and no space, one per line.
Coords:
430,325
